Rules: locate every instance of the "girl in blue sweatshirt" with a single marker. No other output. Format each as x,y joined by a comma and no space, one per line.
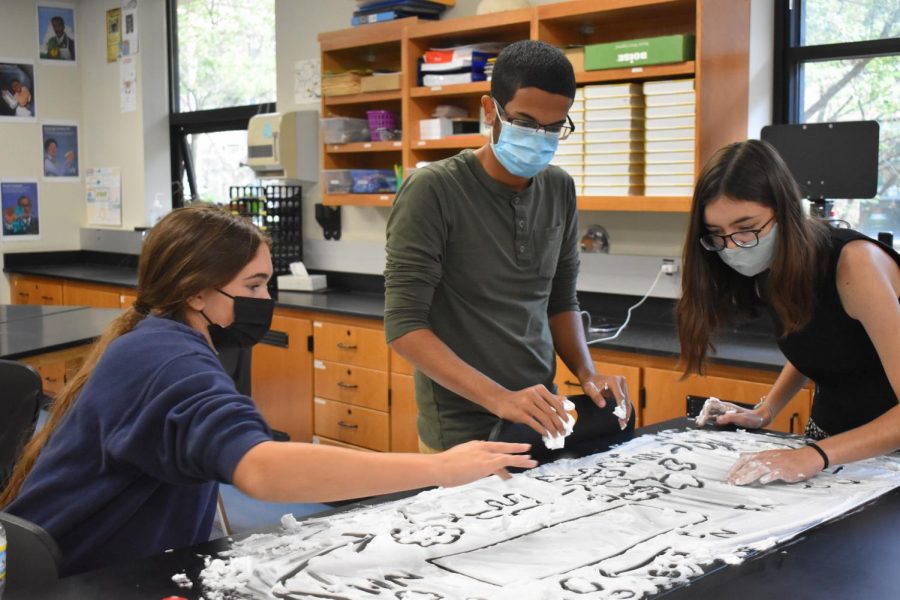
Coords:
129,462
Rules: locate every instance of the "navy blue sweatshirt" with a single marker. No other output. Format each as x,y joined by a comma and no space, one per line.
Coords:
132,470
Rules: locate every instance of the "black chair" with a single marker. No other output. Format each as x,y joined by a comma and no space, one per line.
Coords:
596,430
19,406
32,556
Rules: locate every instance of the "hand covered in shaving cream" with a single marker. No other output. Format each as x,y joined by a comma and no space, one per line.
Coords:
789,466
725,413
601,388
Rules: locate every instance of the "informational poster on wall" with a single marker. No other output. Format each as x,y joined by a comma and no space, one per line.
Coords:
127,84
60,143
129,28
17,90
103,194
21,213
113,34
56,33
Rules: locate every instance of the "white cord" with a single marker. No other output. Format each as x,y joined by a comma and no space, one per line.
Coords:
628,316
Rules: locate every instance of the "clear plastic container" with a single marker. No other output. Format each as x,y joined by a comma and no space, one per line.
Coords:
337,181
374,181
343,130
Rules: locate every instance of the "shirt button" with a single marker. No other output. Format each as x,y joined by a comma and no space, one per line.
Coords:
522,248
521,224
516,201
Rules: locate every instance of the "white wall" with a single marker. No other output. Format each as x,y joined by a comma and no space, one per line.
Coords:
136,142
656,234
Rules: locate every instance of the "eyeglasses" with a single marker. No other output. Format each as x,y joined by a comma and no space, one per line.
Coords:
555,131
743,239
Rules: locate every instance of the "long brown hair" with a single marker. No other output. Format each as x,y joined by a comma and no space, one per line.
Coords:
712,293
188,251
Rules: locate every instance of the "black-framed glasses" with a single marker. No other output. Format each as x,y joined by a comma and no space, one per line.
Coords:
742,239
557,131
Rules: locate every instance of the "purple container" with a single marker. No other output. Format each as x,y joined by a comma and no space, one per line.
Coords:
382,124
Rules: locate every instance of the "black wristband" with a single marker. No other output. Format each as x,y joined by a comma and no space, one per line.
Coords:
821,452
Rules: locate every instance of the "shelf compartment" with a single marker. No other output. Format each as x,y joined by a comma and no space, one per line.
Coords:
360,37
353,147
668,204
475,88
358,199
364,98
474,28
474,140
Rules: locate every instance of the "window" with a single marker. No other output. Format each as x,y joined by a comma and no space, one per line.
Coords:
222,72
839,60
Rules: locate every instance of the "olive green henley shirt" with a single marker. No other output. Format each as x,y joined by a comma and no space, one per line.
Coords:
484,267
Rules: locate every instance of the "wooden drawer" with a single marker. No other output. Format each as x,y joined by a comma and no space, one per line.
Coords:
90,294
400,364
328,442
352,424
348,383
350,345
53,377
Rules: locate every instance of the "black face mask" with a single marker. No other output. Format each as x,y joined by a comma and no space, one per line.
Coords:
252,319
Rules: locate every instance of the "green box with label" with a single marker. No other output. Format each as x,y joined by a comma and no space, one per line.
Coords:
636,53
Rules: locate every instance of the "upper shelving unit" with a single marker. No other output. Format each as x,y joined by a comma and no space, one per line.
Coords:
719,69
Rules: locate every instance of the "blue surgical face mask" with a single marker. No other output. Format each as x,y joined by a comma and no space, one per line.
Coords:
522,151
752,261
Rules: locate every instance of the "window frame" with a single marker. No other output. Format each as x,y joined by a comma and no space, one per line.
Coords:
183,124
789,56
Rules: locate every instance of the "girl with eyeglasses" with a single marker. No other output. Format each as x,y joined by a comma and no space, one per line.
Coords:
833,298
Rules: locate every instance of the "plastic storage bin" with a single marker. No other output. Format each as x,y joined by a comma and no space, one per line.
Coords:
383,125
337,181
343,130
373,181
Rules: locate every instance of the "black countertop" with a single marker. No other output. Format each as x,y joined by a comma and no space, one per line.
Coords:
644,335
850,558
27,330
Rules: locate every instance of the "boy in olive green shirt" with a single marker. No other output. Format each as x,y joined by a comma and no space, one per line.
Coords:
482,262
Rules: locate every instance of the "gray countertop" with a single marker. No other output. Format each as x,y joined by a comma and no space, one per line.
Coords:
28,330
750,350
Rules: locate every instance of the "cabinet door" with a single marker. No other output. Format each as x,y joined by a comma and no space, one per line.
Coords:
24,291
89,294
666,397
351,345
568,384
127,298
49,292
400,364
404,436
351,384
282,380
53,377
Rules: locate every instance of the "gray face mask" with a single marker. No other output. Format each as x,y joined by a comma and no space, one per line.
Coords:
752,261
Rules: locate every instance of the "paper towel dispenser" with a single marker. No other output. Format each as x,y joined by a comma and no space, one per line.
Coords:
284,145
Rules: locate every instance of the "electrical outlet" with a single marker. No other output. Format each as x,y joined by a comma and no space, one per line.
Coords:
669,266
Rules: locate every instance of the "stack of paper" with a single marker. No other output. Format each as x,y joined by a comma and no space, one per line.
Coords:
570,154
671,110
341,84
613,140
459,64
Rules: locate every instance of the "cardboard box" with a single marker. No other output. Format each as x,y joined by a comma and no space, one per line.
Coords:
634,53
380,82
576,57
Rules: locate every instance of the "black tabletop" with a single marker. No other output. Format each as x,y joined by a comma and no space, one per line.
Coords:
28,330
851,558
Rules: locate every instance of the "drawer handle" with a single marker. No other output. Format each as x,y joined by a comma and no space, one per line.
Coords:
348,425
568,382
349,386
46,297
797,417
51,379
344,346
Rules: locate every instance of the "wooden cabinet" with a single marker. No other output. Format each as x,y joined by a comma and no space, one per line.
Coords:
35,290
58,368
720,70
91,294
404,435
127,298
351,383
282,379
665,397
568,384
